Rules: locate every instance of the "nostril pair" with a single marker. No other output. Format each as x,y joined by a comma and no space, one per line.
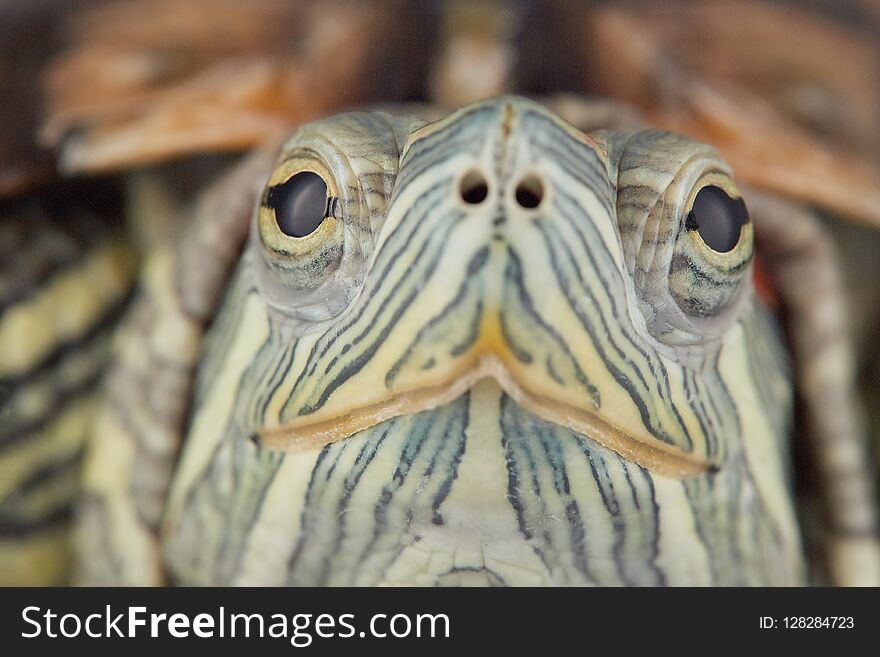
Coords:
474,189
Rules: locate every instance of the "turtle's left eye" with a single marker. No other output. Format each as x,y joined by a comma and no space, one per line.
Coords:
717,218
713,248
300,203
300,224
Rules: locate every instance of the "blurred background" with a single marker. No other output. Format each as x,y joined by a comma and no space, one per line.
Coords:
96,86
115,113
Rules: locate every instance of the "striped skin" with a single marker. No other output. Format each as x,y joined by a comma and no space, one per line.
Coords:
63,285
486,393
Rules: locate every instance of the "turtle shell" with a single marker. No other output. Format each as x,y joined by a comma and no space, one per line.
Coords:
144,82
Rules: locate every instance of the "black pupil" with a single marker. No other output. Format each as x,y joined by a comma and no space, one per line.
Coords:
300,203
718,218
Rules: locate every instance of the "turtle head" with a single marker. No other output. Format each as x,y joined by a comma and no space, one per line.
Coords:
408,261
489,349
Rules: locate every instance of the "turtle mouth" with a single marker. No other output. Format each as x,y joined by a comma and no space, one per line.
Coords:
305,433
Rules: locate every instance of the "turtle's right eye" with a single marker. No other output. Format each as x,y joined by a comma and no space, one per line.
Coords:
718,218
713,249
300,204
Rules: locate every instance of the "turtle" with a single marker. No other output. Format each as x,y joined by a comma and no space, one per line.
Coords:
486,349
125,135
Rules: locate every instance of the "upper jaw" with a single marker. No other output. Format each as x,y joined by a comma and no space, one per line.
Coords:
306,433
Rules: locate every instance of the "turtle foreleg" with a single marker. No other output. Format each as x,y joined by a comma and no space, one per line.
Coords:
803,264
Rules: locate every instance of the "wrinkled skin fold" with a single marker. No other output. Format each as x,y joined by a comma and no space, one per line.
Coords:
436,390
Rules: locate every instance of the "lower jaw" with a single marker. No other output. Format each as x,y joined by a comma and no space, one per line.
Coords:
478,491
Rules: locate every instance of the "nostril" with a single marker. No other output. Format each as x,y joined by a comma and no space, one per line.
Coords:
529,192
474,188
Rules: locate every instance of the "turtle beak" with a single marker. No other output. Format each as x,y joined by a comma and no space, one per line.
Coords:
499,258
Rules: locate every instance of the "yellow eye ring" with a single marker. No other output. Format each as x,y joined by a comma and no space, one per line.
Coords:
717,220
284,183
711,261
